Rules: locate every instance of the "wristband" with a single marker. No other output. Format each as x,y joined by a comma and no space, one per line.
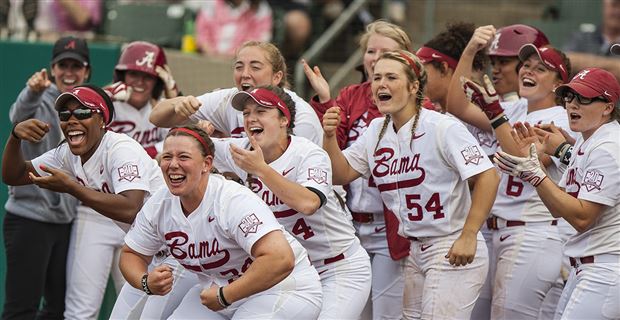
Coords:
14,134
145,286
565,157
220,298
495,123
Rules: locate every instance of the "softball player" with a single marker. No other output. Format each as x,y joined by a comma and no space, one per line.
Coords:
108,172
141,78
293,176
526,241
256,64
503,47
363,199
248,266
434,207
588,194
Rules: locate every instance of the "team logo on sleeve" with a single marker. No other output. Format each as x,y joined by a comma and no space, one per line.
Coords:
471,154
593,180
128,172
249,224
317,175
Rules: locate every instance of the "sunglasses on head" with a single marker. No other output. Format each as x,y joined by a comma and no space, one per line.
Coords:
570,95
80,113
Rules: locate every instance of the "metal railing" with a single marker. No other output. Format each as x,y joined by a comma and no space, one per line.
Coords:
324,41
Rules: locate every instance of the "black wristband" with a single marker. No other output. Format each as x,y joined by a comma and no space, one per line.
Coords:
14,134
565,159
145,286
499,121
558,150
220,298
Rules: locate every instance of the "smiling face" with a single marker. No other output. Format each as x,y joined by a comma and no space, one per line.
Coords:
142,84
184,167
69,73
505,76
83,136
391,89
267,125
536,82
252,69
377,45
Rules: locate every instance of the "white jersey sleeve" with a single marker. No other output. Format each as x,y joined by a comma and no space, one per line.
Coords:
145,236
462,150
216,108
57,158
316,171
130,169
223,160
307,123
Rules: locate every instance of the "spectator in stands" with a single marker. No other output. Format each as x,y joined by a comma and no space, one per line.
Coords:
591,48
37,224
222,26
297,26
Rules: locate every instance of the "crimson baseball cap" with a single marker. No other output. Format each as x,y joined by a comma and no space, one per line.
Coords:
262,97
509,39
549,56
615,49
88,98
591,83
71,48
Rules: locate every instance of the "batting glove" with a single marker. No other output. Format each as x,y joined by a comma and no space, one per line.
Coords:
166,76
484,97
119,91
527,169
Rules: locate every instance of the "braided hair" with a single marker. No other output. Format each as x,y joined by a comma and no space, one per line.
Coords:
415,72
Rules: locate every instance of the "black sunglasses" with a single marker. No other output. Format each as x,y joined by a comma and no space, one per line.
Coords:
80,113
570,95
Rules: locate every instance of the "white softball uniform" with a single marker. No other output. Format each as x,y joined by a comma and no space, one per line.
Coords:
217,108
215,242
327,234
593,174
364,202
527,246
135,123
423,179
118,164
514,108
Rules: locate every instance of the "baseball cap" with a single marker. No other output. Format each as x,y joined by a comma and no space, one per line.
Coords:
549,56
615,49
509,39
262,97
71,48
88,98
591,83
427,54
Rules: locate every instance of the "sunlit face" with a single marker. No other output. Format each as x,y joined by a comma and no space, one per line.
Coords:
69,73
376,46
505,76
142,84
253,69
536,82
390,87
83,136
436,88
267,125
183,165
586,118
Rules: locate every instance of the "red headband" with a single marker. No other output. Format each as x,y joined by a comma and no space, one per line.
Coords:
195,135
411,64
427,55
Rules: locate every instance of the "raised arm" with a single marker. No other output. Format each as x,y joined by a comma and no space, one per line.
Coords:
457,103
30,98
172,112
342,172
16,170
274,261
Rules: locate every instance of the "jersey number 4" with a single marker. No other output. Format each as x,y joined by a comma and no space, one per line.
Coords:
301,228
432,205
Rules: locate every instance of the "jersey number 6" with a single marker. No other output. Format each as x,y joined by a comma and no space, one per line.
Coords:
432,205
